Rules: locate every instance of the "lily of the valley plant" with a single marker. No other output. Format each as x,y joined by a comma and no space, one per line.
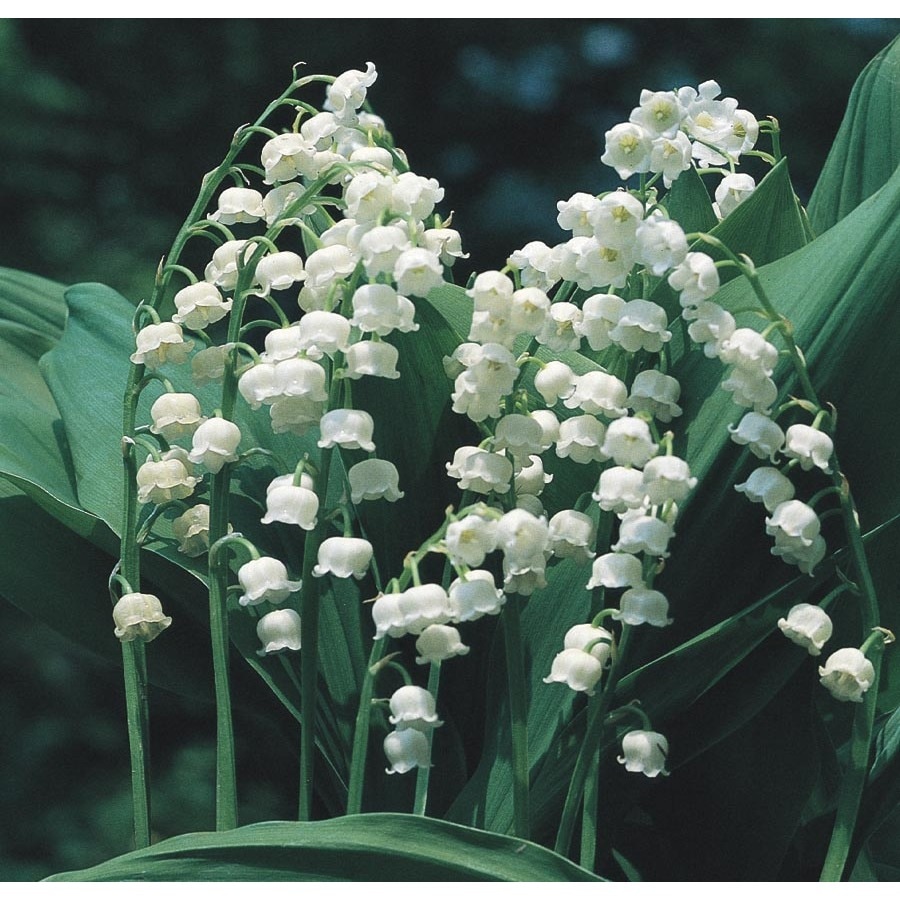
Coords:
531,551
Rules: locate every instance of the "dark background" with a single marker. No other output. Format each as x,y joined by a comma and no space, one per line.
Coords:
107,128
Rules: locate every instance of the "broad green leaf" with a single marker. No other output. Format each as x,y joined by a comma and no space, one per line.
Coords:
688,203
33,448
866,150
374,847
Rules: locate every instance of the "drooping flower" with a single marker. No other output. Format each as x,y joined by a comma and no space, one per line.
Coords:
847,674
139,617
292,505
265,580
437,643
811,447
160,481
413,707
215,443
640,606
175,415
406,750
199,305
343,557
278,630
374,479
348,428
645,752
576,668
159,344
808,626
191,529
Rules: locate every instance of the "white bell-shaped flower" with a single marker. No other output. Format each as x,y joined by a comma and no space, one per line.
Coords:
577,669
380,247
374,479
640,533
379,309
581,440
279,271
323,334
481,470
629,442
528,311
641,326
437,643
286,156
747,349
531,479
348,428
598,393
446,243
413,707
388,616
160,481
367,196
659,112
793,524
199,305
656,394
639,606
469,539
327,265
475,595
524,540
215,443
295,414
847,674
535,265
661,244
278,630
283,343
600,641
222,269
628,148
644,752
808,626
423,605
139,617
343,557
549,427
768,486
415,196
731,192
811,447
710,325
620,489
752,389
696,278
796,554
292,505
159,344
574,213
555,381
406,750
300,377
519,434
265,580
616,570
670,156
418,272
374,358
191,530
558,332
572,535
208,364
238,204
175,415
615,219
347,93
667,478
600,313
760,434
258,385
279,200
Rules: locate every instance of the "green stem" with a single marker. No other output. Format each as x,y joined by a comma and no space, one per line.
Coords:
309,657
864,717
518,713
226,779
423,774
591,743
137,710
137,715
588,855
361,732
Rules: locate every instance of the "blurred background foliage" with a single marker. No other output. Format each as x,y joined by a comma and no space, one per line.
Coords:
109,126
